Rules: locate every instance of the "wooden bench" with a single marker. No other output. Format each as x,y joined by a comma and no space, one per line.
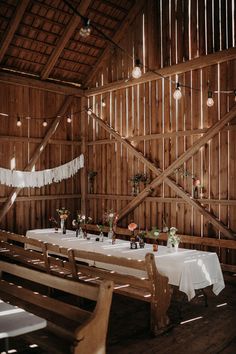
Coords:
13,247
76,330
152,288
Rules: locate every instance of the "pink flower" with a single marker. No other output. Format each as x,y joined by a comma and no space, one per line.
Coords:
196,182
132,226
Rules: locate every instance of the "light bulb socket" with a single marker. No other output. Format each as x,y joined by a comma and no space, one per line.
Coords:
210,94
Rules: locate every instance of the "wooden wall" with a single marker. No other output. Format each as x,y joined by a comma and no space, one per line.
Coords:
34,206
164,34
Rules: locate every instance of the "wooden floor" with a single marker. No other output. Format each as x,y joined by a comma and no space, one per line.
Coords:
201,330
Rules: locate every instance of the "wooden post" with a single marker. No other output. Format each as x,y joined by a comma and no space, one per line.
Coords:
15,191
84,173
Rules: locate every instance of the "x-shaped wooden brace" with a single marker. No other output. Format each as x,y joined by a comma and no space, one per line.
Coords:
162,176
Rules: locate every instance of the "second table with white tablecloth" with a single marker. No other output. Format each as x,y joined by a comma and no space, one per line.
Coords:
189,270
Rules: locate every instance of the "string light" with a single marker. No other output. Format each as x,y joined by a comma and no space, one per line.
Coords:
210,101
103,103
136,72
177,93
45,123
69,119
90,111
86,29
18,123
234,95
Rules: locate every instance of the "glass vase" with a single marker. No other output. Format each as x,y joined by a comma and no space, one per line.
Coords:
176,247
110,234
101,236
63,226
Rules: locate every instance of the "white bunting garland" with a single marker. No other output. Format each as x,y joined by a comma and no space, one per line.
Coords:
22,179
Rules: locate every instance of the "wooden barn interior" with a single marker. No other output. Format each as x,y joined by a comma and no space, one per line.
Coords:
158,147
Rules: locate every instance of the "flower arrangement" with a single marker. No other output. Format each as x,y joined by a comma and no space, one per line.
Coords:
81,219
100,227
173,239
53,221
142,234
111,218
92,174
155,232
132,226
63,213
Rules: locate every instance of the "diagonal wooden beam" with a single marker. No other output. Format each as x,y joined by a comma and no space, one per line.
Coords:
12,27
177,69
133,13
15,191
163,175
70,29
14,79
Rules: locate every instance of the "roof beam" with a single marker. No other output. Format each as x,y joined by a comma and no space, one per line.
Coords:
163,176
134,11
194,64
15,79
70,29
12,27
15,191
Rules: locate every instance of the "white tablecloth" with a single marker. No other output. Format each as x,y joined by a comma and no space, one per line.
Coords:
15,321
188,269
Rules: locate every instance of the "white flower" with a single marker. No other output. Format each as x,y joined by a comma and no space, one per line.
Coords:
111,215
83,217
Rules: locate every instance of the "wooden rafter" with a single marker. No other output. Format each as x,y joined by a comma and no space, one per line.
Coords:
163,175
12,27
15,191
70,29
194,64
134,11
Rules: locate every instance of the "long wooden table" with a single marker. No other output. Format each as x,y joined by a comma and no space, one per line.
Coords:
189,270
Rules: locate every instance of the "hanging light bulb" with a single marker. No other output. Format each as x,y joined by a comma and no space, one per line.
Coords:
136,72
177,93
45,123
90,111
68,119
234,95
103,103
210,101
18,123
86,29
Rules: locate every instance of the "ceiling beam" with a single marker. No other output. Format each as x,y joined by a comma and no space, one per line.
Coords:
9,78
134,11
15,191
69,30
163,175
177,69
12,27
